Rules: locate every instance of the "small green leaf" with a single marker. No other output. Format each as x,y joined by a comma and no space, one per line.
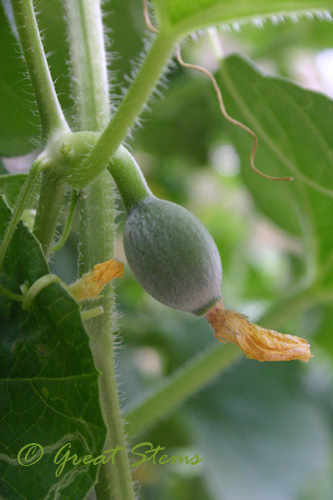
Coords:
49,386
295,138
184,16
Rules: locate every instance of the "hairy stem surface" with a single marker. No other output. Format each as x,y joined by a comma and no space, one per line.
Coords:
51,116
48,210
132,105
50,112
91,94
20,205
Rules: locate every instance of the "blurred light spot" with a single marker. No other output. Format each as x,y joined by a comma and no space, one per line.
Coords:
225,160
183,469
294,18
269,248
28,217
19,164
268,66
253,310
324,64
320,15
303,68
327,15
216,43
146,161
236,27
258,22
148,361
275,20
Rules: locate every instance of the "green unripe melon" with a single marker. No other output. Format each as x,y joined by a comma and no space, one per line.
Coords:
173,256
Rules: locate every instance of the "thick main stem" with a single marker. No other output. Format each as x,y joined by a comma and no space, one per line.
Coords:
96,245
51,115
90,88
88,63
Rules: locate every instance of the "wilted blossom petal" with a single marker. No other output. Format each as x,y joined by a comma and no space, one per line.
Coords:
256,342
92,283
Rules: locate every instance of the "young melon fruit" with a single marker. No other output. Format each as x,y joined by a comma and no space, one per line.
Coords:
173,256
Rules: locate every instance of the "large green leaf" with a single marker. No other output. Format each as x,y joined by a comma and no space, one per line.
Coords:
184,16
295,138
49,386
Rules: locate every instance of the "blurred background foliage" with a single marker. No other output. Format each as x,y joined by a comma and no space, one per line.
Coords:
265,430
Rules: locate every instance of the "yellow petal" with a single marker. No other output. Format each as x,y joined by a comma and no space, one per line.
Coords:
91,284
256,342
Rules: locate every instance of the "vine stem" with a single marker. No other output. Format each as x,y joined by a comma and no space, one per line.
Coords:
130,180
180,386
52,118
132,104
51,115
48,209
20,205
68,224
205,367
96,215
88,63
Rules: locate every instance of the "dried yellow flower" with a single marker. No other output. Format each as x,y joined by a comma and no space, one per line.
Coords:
256,342
91,284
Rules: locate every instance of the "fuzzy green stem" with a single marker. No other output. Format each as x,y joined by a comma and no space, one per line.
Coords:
68,224
10,295
92,313
131,106
96,215
37,287
20,205
96,245
88,62
129,179
205,367
49,206
51,115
